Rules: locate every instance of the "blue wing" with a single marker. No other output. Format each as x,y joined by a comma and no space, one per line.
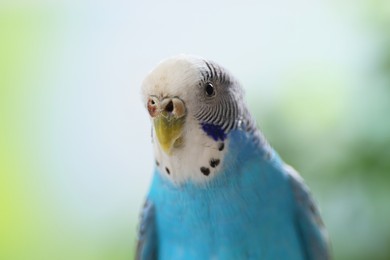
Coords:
147,246
313,235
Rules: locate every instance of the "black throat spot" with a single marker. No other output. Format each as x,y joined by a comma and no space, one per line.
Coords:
205,171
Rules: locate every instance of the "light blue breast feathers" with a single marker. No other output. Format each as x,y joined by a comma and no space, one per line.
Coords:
256,208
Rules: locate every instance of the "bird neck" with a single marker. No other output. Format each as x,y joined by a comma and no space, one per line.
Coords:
201,158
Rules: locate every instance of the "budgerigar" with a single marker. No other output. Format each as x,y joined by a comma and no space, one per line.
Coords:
219,191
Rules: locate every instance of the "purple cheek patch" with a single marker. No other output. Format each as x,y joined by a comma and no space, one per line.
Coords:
214,131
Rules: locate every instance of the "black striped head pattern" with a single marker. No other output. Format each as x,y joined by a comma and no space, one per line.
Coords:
221,106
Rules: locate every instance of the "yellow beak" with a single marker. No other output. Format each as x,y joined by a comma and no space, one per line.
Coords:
168,119
168,132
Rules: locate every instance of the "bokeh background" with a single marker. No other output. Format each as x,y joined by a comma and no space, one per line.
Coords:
75,152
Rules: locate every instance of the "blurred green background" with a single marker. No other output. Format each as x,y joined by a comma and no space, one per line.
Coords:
75,154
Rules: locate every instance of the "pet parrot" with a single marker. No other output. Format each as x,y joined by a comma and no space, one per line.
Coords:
218,191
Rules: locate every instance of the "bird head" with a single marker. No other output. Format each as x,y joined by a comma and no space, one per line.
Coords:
193,104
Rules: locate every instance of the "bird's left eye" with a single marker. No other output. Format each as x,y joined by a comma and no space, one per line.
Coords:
209,88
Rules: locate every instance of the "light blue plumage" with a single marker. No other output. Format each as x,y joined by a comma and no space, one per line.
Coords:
241,203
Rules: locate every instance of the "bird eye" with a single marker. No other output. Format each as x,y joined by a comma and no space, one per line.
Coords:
209,88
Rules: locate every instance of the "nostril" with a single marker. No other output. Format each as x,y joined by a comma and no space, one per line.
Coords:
169,107
152,107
